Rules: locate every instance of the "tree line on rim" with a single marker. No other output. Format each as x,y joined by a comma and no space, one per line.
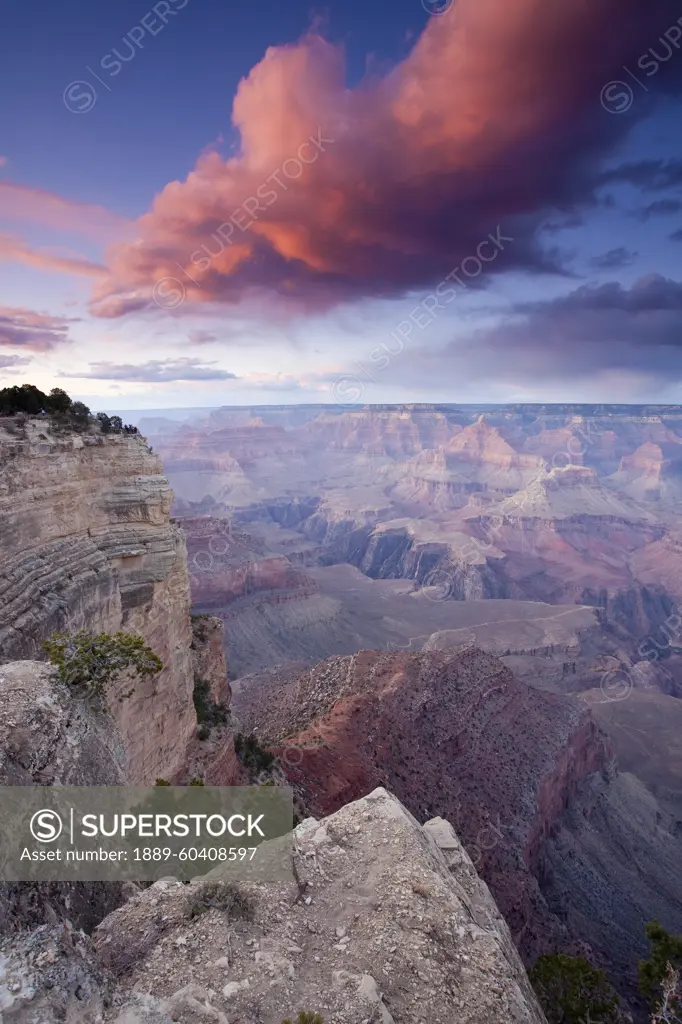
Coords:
28,400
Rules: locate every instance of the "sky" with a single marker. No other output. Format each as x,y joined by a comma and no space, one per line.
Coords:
205,203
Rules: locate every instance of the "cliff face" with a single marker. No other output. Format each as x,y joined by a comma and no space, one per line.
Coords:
383,921
86,541
46,739
208,656
451,734
392,433
522,775
211,756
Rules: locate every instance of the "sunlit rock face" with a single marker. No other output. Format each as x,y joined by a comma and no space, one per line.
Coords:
86,541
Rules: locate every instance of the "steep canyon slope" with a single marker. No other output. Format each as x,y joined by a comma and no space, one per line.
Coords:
526,777
86,541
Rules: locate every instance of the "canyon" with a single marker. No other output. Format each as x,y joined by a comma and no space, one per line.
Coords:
471,609
546,536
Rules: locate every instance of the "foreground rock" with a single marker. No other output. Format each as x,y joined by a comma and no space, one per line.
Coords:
48,739
386,922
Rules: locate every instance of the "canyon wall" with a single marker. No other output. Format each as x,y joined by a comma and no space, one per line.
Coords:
86,541
210,754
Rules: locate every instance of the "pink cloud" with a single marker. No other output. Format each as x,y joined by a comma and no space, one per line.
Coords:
22,203
493,119
19,251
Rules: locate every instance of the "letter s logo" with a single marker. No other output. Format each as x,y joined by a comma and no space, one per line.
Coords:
46,826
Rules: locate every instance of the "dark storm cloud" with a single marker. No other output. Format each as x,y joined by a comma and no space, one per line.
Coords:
634,333
647,175
592,330
660,208
613,259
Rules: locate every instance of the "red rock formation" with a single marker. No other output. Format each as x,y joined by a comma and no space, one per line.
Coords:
558,447
454,735
485,445
227,565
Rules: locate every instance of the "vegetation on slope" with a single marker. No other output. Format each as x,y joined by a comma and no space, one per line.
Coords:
659,976
90,662
571,991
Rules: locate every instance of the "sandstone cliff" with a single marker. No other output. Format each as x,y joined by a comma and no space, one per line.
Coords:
86,541
395,432
210,754
47,738
383,921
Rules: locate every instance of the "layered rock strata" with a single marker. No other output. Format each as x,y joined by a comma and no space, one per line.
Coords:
86,541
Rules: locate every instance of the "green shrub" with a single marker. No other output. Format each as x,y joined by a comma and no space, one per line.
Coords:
251,754
79,414
58,402
90,662
197,782
572,991
664,949
162,782
305,1017
209,712
27,399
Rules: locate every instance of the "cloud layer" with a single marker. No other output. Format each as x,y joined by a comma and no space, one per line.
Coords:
632,334
35,332
16,249
156,371
493,119
39,206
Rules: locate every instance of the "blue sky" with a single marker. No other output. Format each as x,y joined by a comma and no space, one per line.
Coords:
431,157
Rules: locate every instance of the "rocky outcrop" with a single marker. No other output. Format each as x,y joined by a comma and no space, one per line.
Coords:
87,542
211,755
456,735
49,739
652,473
51,975
383,920
483,444
476,460
208,657
452,734
228,566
